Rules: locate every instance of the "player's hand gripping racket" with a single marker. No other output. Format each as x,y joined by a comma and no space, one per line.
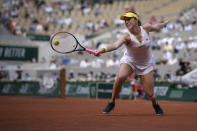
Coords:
65,42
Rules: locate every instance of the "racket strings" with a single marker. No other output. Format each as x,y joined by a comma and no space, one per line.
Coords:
66,42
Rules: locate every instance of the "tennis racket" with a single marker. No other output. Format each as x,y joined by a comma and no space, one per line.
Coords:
65,42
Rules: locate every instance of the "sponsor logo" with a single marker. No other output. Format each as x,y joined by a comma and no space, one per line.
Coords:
161,90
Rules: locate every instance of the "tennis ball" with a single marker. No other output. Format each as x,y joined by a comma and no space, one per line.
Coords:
56,42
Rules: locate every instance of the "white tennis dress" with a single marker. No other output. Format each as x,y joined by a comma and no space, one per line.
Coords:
138,55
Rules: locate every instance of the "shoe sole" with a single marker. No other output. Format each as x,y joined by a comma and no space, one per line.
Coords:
105,112
159,114
108,112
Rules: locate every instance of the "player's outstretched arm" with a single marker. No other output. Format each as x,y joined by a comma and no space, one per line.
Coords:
113,46
155,27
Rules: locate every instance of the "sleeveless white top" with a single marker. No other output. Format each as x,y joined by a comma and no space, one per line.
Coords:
139,53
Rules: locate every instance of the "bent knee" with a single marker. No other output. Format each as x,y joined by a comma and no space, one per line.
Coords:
121,78
150,95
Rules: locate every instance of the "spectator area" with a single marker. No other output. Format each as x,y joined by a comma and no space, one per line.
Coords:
46,17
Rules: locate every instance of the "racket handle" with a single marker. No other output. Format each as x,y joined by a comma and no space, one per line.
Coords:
91,51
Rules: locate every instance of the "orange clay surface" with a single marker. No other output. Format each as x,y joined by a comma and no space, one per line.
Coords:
25,113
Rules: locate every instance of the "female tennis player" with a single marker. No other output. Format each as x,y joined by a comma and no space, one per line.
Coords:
137,58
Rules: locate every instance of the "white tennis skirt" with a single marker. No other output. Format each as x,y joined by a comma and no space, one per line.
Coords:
138,69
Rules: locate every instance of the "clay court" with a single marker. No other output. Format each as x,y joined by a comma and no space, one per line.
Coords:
22,113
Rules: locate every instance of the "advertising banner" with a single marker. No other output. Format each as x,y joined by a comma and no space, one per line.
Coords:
18,53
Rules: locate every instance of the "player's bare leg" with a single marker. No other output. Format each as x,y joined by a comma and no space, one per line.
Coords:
124,71
148,84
